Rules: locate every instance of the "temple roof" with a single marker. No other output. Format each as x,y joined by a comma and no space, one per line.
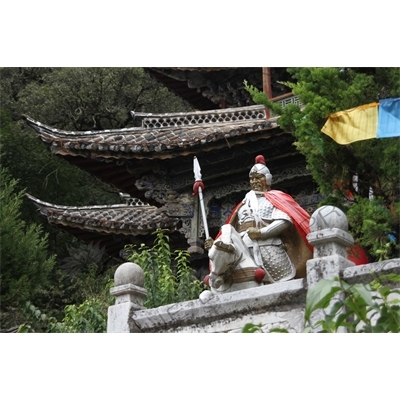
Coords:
161,136
164,141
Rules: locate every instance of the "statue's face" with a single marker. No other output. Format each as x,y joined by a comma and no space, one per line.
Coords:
258,182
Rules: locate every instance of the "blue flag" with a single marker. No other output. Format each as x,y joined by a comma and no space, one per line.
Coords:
389,118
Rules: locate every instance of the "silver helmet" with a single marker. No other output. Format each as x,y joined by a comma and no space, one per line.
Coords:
260,168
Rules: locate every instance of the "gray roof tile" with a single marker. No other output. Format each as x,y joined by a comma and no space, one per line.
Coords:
127,219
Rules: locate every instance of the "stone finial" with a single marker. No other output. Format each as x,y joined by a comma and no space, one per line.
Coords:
129,281
329,236
327,217
129,273
129,294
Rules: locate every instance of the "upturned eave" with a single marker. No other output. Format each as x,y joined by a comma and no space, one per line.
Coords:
133,219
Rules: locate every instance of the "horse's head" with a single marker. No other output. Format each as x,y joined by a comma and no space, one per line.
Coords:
222,256
231,264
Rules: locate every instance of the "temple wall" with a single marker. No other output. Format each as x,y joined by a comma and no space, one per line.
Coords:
278,305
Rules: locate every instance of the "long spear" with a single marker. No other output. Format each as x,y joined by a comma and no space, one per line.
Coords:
197,189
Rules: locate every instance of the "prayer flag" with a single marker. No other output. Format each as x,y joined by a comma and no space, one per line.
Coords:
370,121
389,118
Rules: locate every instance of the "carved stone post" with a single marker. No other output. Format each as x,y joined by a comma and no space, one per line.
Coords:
329,236
129,294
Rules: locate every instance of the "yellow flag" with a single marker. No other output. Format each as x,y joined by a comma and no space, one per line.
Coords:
349,126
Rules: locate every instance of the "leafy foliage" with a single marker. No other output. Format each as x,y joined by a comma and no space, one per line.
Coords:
87,317
89,294
25,263
168,275
374,226
370,308
39,322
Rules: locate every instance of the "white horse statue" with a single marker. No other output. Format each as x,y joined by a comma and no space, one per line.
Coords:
231,265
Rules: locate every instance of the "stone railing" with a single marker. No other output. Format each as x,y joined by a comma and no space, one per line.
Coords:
279,305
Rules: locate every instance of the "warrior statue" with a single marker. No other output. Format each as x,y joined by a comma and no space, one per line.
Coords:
272,226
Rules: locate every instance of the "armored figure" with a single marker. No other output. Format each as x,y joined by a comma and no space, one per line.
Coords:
273,227
259,224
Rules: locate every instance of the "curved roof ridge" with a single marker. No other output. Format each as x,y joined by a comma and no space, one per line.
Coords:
115,219
135,203
47,129
159,141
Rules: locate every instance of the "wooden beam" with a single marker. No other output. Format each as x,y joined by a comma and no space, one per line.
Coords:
267,86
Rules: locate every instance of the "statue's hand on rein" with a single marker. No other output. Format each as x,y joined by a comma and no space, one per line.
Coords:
254,233
208,243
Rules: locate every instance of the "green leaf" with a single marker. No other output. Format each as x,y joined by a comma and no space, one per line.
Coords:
278,330
341,321
251,328
320,295
390,277
363,292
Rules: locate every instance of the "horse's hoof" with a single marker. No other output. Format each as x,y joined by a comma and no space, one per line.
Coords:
205,296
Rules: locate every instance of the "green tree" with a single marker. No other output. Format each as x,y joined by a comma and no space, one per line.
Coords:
85,98
25,263
375,162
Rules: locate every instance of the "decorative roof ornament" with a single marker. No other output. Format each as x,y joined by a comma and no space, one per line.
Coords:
260,168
